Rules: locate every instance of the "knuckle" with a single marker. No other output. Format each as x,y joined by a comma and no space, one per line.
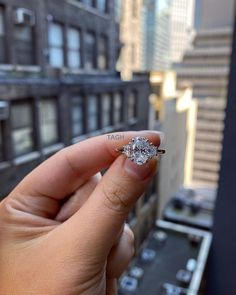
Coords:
115,197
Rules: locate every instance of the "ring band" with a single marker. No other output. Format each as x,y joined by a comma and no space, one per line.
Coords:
140,150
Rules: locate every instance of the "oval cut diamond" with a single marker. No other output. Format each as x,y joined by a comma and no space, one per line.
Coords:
140,150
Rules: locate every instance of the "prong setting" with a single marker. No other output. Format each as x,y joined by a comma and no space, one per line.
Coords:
140,150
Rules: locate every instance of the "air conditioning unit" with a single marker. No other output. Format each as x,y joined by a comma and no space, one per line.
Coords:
24,16
4,110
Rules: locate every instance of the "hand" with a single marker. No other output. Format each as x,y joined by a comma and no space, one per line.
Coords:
62,228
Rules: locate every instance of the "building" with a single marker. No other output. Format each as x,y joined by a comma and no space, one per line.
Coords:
58,85
197,14
130,37
182,28
171,111
154,34
156,39
206,67
221,266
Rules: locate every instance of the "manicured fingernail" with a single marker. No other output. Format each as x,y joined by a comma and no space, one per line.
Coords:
160,133
140,172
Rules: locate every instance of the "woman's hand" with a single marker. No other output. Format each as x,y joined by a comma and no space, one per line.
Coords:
62,228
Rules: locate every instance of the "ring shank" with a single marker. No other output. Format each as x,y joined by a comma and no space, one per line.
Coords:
161,151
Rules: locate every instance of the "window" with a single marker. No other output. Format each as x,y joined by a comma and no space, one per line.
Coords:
24,45
92,113
73,48
132,105
77,116
2,37
1,143
102,53
55,41
22,127
89,3
90,51
49,121
117,108
102,5
106,110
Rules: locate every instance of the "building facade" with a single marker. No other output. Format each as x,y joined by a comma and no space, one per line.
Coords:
182,28
206,67
130,37
58,86
156,41
171,110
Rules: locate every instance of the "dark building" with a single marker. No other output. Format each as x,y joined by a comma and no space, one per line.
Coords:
221,270
58,83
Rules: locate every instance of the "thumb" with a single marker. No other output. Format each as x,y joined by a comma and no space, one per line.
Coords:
105,211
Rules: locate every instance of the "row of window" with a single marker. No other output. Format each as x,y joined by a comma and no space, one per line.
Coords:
87,115
71,55
64,46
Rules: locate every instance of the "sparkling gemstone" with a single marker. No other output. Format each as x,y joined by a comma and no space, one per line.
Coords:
140,150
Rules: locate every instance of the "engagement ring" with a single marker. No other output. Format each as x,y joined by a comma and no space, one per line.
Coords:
140,150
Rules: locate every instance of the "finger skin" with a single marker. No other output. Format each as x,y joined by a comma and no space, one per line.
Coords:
107,208
43,190
119,258
111,287
40,255
121,255
77,200
64,172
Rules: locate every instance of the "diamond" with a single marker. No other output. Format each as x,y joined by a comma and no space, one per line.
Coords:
140,150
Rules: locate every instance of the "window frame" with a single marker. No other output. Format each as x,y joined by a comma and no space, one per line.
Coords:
3,9
94,57
32,44
135,105
55,99
121,110
30,102
88,97
62,47
110,112
82,113
2,148
88,5
68,49
105,53
105,11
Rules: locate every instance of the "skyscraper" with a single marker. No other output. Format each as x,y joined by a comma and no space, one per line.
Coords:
182,23
130,37
156,35
206,68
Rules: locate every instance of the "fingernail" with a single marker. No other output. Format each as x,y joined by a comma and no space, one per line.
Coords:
139,172
160,133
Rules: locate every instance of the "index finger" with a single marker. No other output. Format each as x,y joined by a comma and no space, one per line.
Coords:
64,172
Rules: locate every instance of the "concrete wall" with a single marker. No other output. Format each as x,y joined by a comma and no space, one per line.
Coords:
172,169
217,13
